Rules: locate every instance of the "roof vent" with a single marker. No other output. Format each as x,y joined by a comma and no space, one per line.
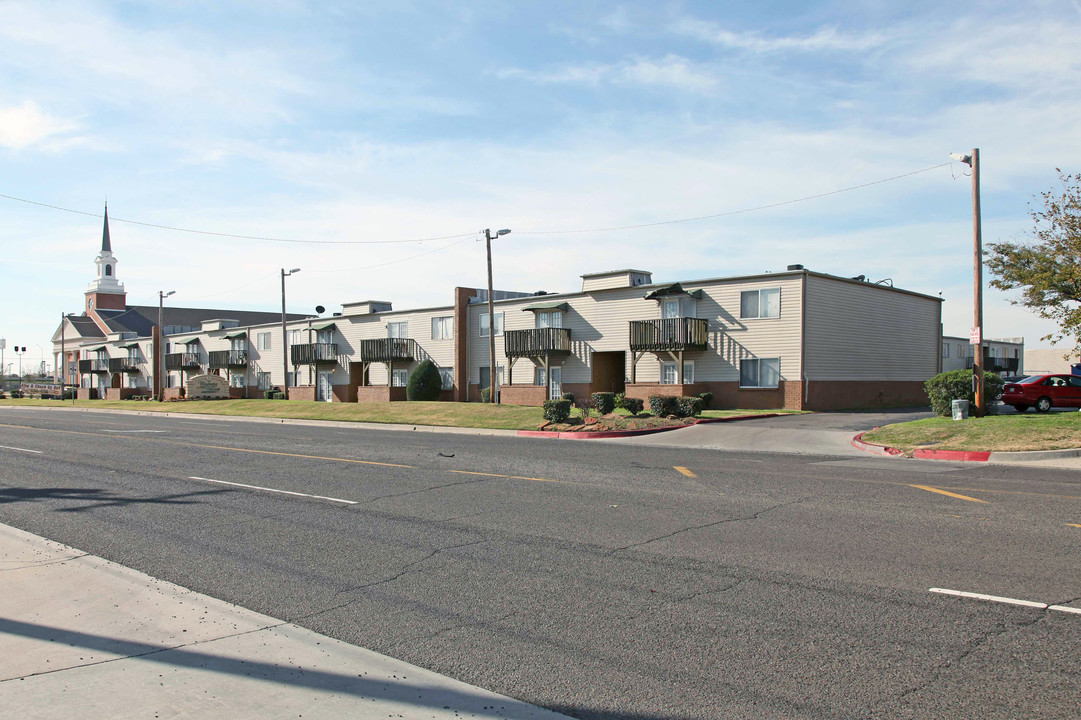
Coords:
795,267
860,278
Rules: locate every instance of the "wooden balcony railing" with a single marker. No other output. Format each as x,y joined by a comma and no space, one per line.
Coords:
94,366
537,342
123,365
993,364
228,358
182,361
313,353
387,349
669,334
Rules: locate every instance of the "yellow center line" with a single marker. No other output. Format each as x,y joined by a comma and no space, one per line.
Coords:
508,477
684,470
928,488
1073,525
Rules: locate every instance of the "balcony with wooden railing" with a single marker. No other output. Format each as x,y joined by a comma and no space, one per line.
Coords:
182,361
387,349
313,353
228,359
669,334
995,364
537,342
94,365
123,365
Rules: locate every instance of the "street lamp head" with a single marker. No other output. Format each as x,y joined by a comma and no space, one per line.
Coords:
504,231
167,294
959,157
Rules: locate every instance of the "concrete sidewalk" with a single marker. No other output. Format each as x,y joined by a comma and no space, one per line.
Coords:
81,637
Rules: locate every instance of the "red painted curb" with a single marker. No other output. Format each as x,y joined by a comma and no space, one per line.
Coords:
601,434
859,444
966,455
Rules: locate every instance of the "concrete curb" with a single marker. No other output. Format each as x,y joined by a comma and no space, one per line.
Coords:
603,434
860,444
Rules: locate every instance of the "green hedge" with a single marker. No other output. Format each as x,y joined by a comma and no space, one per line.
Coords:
689,406
707,399
605,402
662,405
557,411
632,405
946,387
424,382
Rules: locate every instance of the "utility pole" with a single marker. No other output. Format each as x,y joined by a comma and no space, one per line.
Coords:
976,337
159,348
493,383
285,337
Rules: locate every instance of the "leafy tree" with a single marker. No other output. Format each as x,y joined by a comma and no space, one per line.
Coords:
1048,268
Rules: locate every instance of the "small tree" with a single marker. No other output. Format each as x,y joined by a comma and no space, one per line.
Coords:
946,387
424,382
1048,269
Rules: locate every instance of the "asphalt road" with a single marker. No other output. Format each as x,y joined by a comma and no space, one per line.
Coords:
602,580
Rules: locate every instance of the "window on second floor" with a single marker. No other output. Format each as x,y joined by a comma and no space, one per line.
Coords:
547,319
398,329
263,341
765,303
443,327
484,324
296,337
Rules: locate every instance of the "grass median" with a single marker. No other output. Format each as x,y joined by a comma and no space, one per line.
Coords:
995,433
443,414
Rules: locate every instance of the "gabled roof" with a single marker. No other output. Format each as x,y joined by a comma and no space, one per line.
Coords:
85,326
140,319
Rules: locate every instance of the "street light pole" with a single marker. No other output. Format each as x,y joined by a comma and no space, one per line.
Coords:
159,351
493,383
285,346
20,351
973,161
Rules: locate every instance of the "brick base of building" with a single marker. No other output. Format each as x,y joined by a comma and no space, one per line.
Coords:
125,393
380,393
86,394
173,393
864,395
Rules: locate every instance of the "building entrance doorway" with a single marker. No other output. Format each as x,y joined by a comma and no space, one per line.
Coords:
609,372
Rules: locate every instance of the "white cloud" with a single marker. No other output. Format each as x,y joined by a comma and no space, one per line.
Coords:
669,71
27,124
823,39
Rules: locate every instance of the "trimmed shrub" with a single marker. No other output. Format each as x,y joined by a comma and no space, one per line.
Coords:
605,402
269,394
688,406
632,405
663,405
557,411
424,382
486,394
707,399
946,387
569,397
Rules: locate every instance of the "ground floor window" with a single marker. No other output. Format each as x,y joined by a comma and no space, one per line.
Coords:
236,381
539,377
133,382
399,378
447,376
760,372
670,374
486,376
263,380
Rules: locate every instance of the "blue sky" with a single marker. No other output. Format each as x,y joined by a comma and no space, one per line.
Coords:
348,123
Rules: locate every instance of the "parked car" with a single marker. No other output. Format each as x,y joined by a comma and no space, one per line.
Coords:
1043,392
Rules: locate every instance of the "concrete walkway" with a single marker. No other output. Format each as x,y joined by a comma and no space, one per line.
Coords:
81,637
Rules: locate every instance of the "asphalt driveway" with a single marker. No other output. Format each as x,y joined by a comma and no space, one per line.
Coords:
828,433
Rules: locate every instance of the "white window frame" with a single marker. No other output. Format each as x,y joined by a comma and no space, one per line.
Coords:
758,371
236,381
760,303
133,354
263,381
500,374
398,329
296,337
399,377
945,349
688,372
133,382
443,327
263,340
238,344
498,324
324,336
447,376
539,377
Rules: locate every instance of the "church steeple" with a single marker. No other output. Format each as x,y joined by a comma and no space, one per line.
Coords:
106,246
106,292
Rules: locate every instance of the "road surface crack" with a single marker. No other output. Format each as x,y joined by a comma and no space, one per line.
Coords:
703,526
424,490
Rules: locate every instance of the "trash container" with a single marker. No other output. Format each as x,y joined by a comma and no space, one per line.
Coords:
960,409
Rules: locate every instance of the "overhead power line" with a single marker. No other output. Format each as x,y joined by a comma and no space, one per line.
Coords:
459,236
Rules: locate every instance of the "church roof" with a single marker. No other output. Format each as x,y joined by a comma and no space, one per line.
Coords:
140,319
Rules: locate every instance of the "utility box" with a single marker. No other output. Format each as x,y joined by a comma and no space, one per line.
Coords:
960,409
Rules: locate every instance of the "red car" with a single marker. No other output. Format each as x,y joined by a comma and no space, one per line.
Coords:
1043,392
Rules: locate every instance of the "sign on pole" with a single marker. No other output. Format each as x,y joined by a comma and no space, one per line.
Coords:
974,336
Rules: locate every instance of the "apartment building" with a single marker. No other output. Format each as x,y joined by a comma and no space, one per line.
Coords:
1005,356
796,339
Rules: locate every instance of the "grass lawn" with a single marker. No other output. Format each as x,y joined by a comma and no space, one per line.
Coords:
473,415
1053,431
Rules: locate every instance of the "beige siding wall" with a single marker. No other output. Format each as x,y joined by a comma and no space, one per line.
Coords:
351,330
599,322
1044,361
859,331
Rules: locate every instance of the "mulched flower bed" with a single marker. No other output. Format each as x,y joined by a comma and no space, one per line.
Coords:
608,423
